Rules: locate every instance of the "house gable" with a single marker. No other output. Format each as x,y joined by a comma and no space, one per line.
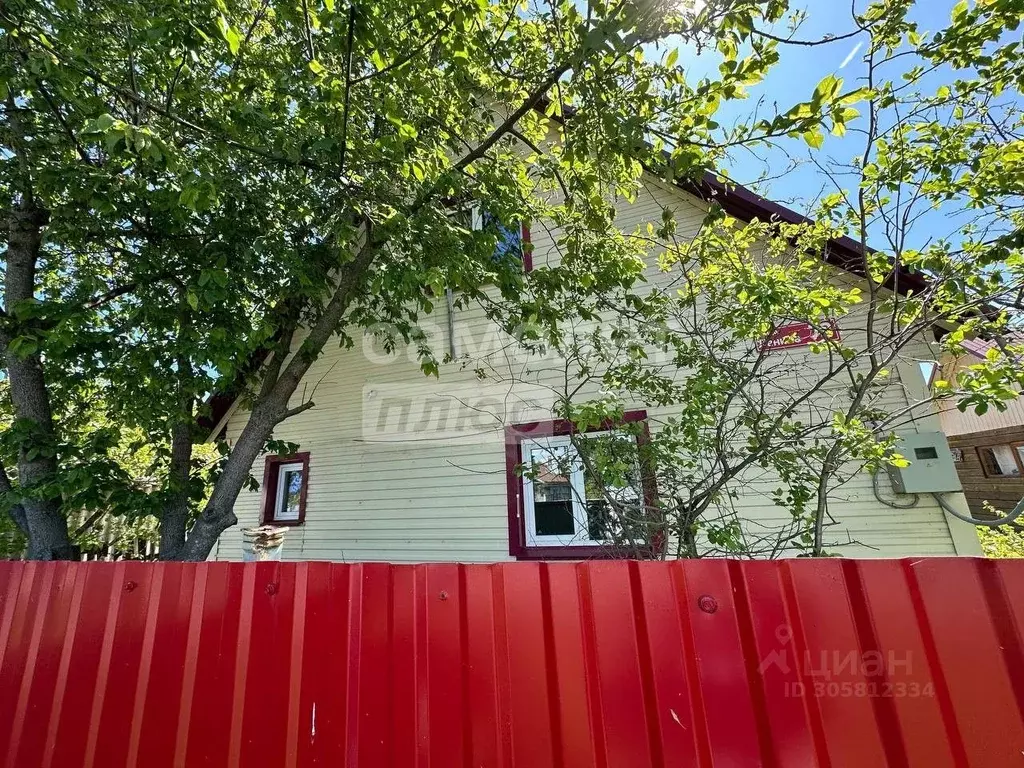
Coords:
404,468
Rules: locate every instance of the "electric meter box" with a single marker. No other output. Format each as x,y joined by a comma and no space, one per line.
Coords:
931,467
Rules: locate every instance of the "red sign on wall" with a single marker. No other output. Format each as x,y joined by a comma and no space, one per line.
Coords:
798,335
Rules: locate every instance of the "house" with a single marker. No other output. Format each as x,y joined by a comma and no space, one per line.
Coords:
989,448
393,466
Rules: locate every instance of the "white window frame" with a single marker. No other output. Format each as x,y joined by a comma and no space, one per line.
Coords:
282,492
577,484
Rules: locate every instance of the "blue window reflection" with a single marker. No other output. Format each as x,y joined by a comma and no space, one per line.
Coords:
510,239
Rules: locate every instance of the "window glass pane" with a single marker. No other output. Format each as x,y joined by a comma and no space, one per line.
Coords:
1020,453
1004,458
510,239
999,461
988,461
929,369
613,487
289,493
552,491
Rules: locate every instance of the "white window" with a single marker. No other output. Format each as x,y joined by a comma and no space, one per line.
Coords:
288,504
563,508
509,243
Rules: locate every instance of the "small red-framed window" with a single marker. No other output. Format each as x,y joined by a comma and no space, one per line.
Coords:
550,515
285,485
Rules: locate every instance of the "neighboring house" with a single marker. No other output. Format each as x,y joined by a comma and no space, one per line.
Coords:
988,449
401,468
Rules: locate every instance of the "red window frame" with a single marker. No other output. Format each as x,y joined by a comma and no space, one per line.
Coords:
527,248
269,500
517,548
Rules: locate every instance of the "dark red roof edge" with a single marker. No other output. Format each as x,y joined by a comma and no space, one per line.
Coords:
843,252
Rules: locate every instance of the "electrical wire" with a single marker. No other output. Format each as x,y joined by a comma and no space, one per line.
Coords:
1013,515
1017,511
894,505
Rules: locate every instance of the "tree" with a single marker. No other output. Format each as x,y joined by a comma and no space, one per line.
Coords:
189,189
941,140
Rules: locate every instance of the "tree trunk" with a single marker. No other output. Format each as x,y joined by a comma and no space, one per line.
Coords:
270,409
17,512
37,460
218,515
687,530
174,519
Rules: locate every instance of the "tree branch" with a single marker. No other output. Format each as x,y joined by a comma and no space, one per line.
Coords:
822,41
402,61
348,85
164,112
296,410
89,523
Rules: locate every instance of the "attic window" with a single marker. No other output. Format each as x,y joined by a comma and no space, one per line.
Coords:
929,371
513,241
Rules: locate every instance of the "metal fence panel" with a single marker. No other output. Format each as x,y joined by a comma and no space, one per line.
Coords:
794,663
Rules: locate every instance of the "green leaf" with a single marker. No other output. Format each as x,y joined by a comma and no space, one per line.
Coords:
101,124
672,57
814,138
827,88
229,34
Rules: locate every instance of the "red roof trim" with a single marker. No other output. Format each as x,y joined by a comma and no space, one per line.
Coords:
843,252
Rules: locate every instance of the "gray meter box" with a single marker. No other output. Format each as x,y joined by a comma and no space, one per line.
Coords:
931,467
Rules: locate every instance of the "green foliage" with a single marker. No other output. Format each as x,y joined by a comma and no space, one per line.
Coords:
942,114
210,173
1001,542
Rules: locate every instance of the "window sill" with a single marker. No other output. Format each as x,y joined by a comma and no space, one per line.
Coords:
590,552
284,523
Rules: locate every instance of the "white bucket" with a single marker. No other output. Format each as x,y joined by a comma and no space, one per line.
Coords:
262,543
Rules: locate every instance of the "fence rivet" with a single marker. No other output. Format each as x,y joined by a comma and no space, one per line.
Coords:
443,595
707,603
271,588
129,586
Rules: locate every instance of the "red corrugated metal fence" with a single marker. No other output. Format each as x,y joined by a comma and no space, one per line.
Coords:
799,663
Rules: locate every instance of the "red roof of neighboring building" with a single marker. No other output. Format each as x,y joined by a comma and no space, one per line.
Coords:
979,347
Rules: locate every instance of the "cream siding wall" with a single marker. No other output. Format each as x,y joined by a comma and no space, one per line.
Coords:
375,494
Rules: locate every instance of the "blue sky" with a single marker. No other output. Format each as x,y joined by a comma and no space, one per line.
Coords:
793,80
